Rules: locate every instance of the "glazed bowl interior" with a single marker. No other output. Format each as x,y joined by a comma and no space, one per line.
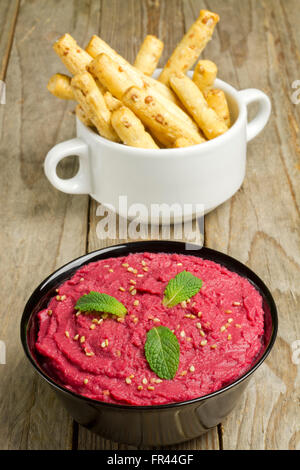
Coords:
42,294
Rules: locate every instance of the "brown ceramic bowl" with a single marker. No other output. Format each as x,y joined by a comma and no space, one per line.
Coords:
147,425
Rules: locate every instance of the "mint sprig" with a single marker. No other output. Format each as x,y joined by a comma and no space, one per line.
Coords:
182,287
162,352
100,303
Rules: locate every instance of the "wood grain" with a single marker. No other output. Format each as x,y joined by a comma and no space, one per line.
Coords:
260,224
256,44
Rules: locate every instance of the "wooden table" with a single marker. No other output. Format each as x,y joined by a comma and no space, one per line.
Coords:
256,44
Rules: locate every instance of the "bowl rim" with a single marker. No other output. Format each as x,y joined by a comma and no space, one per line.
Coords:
72,266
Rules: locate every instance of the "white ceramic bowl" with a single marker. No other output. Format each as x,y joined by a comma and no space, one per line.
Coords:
189,178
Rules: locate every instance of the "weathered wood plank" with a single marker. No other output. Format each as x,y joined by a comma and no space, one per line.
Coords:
154,18
260,224
43,228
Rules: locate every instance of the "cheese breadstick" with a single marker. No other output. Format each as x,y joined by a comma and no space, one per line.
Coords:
111,102
82,116
204,75
74,58
97,46
216,100
191,45
116,79
149,54
60,86
130,129
93,104
192,98
157,117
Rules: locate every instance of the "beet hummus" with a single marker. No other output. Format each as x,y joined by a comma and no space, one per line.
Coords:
100,356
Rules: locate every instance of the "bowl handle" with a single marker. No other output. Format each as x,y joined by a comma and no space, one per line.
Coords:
256,125
80,183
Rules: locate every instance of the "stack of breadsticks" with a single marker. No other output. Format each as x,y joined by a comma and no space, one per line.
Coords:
125,104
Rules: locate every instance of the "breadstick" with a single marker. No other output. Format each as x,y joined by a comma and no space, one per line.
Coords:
97,46
130,129
204,75
93,104
60,86
156,116
74,58
111,102
82,116
191,45
192,98
117,81
149,54
216,100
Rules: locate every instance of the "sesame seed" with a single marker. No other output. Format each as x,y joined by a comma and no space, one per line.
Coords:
89,353
236,304
229,337
77,314
140,275
228,311
82,339
145,268
85,381
76,337
150,387
63,297
122,289
188,315
106,342
128,380
199,326
56,290
136,302
131,376
182,334
158,381
223,328
179,264
93,326
135,271
67,334
238,325
111,270
58,297
131,288
199,314
152,380
192,369
184,372
144,263
213,346
193,304
202,333
203,343
189,339
133,292
135,320
95,320
230,320
188,301
183,304
125,265
140,387
49,313
120,320
130,269
81,279
103,344
132,281
157,320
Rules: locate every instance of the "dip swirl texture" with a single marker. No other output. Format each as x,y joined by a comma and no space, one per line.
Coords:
219,330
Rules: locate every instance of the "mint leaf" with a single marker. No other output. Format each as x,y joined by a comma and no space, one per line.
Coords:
182,287
162,352
100,303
